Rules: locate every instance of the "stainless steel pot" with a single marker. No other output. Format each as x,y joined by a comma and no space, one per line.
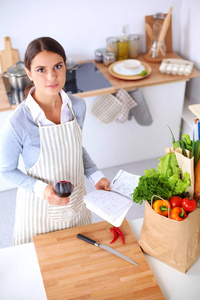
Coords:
17,76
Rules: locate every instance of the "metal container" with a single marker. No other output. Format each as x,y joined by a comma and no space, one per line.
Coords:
109,58
99,53
17,76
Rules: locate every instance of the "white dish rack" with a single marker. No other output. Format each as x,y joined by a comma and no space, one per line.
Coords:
176,66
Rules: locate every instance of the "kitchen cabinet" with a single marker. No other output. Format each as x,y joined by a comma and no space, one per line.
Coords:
22,280
115,143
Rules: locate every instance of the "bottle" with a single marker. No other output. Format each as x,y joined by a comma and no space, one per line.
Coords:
133,45
123,45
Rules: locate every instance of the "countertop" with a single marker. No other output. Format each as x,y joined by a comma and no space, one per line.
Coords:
21,278
153,79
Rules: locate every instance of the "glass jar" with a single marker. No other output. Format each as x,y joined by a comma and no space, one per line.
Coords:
134,40
112,45
109,58
99,54
157,50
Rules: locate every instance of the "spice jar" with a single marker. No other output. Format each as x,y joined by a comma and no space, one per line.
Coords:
133,45
123,44
99,54
109,58
112,45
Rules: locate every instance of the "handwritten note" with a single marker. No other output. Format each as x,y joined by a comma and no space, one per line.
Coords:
111,203
124,183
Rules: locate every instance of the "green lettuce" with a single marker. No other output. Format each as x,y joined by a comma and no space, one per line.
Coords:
165,182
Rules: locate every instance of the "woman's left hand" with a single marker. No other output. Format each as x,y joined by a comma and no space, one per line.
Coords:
103,184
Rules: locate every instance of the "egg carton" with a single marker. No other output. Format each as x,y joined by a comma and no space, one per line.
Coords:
176,66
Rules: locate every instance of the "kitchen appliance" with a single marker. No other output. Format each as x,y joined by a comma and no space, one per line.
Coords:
18,80
83,78
107,248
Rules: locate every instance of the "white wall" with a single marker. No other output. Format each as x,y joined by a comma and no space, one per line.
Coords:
81,26
189,47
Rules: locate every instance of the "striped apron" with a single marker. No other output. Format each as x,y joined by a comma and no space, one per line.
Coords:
60,153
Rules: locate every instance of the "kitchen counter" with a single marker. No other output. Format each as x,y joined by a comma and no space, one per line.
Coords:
21,278
155,78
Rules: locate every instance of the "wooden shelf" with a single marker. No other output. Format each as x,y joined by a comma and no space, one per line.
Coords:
154,78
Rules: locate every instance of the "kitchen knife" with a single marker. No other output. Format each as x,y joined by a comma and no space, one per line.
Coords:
107,248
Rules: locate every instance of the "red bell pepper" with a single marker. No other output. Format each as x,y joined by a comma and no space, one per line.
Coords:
178,214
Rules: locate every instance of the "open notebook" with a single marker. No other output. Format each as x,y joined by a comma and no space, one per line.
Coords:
113,205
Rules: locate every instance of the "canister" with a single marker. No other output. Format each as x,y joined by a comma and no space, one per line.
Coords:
109,58
112,45
99,54
134,40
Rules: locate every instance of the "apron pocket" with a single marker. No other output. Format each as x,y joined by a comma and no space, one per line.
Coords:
67,213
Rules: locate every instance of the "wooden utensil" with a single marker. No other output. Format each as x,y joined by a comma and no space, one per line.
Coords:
73,269
164,28
149,31
8,56
151,20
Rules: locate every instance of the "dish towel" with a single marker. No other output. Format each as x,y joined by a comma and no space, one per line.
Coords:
128,103
141,112
106,108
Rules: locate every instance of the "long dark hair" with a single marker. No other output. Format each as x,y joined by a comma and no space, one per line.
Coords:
37,46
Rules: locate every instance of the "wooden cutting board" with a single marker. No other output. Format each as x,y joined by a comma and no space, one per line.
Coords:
74,269
8,56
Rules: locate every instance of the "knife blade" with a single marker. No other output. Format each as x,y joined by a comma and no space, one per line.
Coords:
107,248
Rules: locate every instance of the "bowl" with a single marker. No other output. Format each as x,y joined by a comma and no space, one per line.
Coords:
131,63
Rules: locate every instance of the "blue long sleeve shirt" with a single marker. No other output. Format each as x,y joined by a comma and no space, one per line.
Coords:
21,137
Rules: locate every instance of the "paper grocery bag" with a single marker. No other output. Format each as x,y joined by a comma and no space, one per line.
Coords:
186,164
175,243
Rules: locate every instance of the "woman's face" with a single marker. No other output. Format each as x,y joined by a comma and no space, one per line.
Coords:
48,72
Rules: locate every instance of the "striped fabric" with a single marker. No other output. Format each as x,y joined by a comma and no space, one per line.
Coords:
61,153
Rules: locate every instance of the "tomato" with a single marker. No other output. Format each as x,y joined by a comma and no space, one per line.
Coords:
189,204
175,201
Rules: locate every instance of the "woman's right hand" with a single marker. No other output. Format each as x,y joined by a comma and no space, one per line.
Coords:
52,198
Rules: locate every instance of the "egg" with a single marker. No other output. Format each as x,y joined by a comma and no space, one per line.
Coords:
162,68
169,69
181,70
187,70
175,69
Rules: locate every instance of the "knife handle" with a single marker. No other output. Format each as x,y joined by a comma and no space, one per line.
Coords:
86,239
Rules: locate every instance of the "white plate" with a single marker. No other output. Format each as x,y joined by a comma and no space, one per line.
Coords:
121,70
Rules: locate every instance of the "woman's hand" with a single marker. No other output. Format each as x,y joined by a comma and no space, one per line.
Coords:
52,198
103,184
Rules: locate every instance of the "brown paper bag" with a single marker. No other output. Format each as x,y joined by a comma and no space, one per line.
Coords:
176,243
186,164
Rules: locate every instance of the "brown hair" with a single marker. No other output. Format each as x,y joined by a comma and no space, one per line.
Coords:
40,44
37,46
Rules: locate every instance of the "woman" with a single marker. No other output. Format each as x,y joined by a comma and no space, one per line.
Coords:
46,130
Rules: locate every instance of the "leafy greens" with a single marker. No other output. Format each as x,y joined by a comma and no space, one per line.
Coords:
165,182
